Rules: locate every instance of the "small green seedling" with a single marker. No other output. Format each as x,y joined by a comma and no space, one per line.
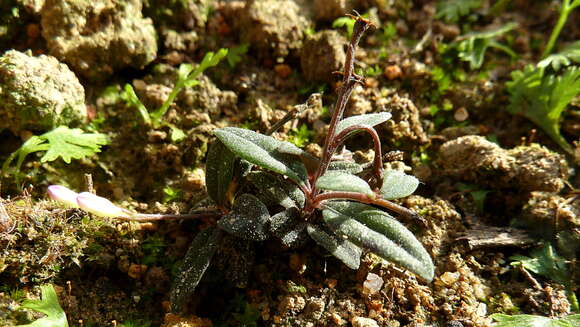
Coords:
48,304
267,188
472,47
61,142
546,263
565,10
187,76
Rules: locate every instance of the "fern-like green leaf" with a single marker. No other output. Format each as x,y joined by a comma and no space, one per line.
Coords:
543,97
48,304
570,55
474,45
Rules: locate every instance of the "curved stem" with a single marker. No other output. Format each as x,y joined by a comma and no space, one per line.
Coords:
360,197
378,160
564,12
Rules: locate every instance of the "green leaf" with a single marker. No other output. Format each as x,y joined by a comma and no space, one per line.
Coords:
289,228
55,316
472,49
347,22
235,54
300,136
368,119
219,172
132,99
247,219
195,263
342,249
452,10
60,142
570,54
276,191
545,262
345,166
397,184
375,230
504,320
542,98
336,180
264,151
70,144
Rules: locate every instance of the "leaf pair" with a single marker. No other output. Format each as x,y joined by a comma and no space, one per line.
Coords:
377,231
396,184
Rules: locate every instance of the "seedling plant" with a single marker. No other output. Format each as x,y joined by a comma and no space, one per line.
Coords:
249,175
343,206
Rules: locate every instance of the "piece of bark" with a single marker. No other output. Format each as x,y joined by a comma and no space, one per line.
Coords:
482,236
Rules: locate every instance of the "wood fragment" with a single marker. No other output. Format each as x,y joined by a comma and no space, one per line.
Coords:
482,236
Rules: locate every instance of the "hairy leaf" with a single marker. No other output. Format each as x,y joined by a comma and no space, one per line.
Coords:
384,237
368,119
342,249
288,227
504,320
48,304
195,263
542,98
397,184
274,190
345,166
247,220
570,54
335,180
219,171
264,151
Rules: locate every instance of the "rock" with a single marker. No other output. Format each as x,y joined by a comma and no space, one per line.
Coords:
328,10
404,129
322,54
98,37
528,168
38,93
372,284
363,322
275,27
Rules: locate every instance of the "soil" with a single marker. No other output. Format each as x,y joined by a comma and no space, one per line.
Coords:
493,184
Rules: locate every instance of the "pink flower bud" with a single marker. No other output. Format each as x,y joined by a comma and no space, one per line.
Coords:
100,206
63,195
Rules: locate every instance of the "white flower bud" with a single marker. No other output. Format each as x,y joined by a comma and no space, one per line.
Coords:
63,195
100,206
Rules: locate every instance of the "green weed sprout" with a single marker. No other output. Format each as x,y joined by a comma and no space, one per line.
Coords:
62,142
565,10
187,76
503,320
48,304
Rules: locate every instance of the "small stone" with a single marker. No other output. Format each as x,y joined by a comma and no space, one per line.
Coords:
322,54
283,70
38,93
393,72
136,271
461,114
372,284
363,322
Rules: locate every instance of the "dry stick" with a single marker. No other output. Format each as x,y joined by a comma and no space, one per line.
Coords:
314,100
349,81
